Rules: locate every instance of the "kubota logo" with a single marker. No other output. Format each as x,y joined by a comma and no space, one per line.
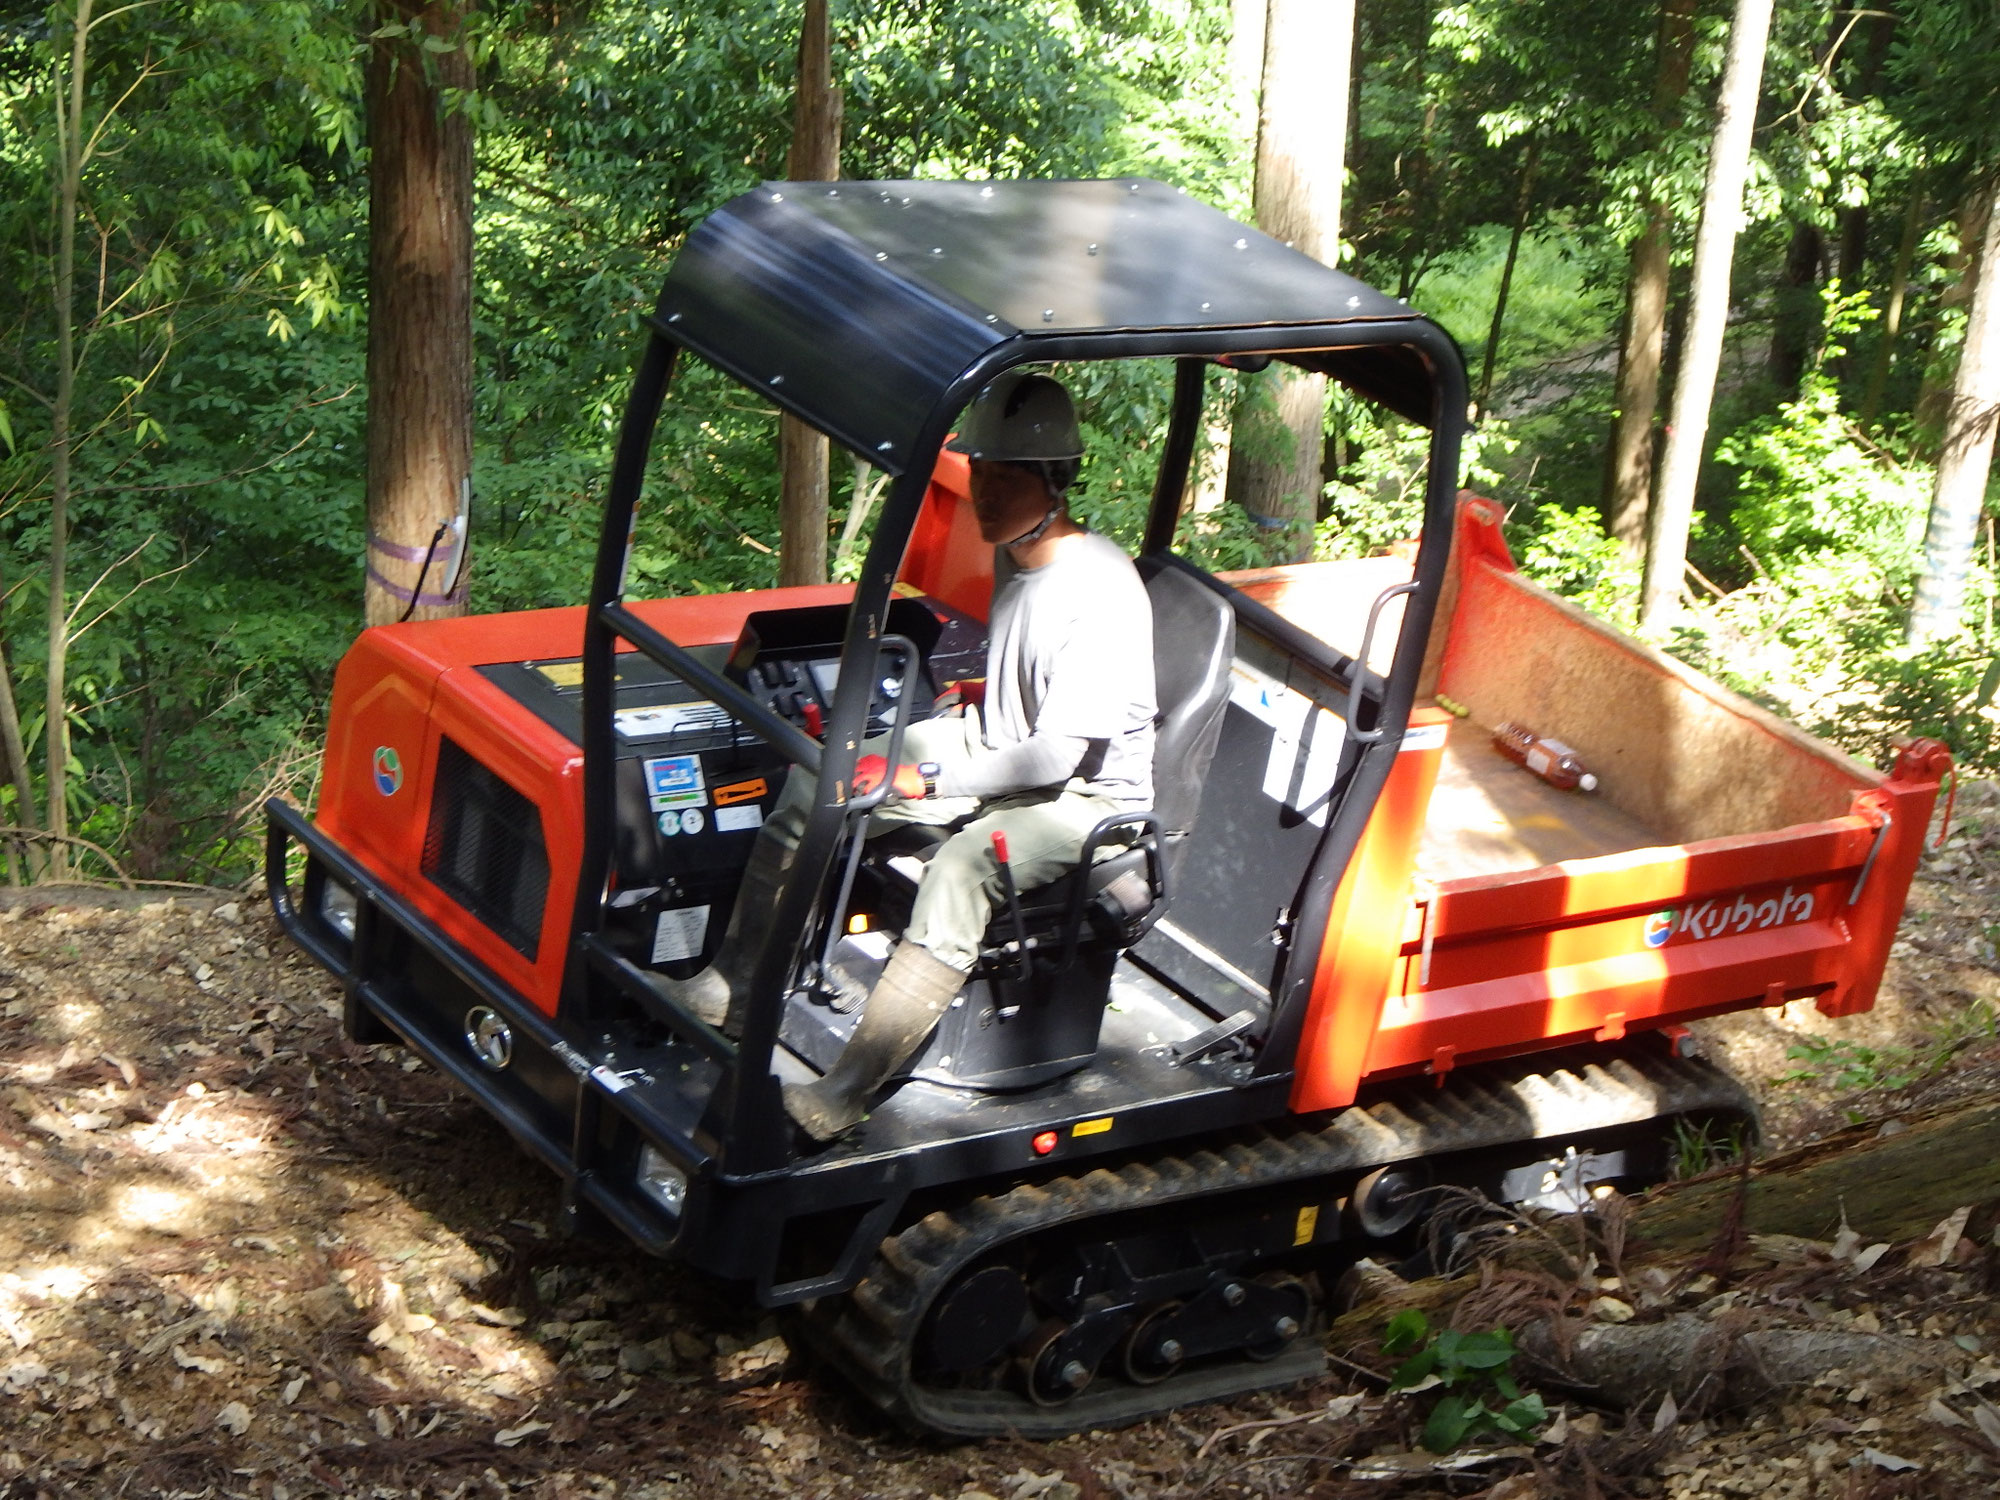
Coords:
1715,918
388,770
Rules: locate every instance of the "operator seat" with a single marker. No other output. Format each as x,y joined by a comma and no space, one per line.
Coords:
1030,1016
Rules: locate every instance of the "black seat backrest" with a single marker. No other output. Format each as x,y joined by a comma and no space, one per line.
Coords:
1194,641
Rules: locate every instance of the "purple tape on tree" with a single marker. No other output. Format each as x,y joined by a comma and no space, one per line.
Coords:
396,591
396,549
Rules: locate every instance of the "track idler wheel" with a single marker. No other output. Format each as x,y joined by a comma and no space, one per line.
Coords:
1389,1199
1151,1352
1060,1359
1288,1303
1234,1316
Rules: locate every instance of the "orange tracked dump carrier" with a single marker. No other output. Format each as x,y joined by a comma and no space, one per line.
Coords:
1352,953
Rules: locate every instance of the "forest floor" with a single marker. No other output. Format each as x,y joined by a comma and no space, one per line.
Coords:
243,1257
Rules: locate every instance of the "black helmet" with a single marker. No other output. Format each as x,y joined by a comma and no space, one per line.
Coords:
1021,417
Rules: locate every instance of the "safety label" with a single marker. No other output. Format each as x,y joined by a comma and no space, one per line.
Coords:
658,720
1304,757
1425,737
675,781
679,934
737,819
754,790
677,820
562,674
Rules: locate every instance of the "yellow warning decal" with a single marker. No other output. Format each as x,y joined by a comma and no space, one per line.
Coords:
1302,1232
1091,1127
906,590
563,673
742,791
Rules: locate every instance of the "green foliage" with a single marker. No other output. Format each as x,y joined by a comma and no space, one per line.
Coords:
219,489
221,405
1378,499
1560,299
1482,1398
1567,552
1847,1065
1703,1147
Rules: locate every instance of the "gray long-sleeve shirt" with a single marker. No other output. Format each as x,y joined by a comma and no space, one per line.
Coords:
1069,679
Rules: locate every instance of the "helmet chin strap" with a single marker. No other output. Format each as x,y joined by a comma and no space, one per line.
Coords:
1034,533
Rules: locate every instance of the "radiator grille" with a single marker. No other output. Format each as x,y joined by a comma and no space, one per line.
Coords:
484,849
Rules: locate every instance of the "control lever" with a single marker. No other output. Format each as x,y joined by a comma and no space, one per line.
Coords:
1013,903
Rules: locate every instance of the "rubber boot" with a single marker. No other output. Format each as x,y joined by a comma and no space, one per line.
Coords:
719,994
905,1004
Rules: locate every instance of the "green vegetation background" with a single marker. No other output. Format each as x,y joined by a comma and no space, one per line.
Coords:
222,302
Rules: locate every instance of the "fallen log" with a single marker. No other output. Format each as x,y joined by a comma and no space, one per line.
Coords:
1716,1361
1886,1182
1893,1180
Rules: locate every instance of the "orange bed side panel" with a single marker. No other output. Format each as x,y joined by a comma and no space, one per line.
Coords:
1417,978
1359,952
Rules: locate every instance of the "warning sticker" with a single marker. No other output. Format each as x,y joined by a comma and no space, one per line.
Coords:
562,674
679,934
754,790
1425,737
656,721
675,781
738,819
1304,756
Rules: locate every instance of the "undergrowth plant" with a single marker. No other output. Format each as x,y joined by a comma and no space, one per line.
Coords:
1699,1148
1845,1064
1481,1397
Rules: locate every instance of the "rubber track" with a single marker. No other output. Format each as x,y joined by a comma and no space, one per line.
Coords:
868,1334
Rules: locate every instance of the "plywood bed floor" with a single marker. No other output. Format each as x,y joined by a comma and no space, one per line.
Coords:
1489,816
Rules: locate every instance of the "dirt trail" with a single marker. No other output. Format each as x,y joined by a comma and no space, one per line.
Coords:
243,1257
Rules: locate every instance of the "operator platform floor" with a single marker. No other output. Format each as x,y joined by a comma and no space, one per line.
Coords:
1133,1066
1490,816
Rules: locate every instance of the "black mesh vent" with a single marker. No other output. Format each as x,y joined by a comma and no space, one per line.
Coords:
484,849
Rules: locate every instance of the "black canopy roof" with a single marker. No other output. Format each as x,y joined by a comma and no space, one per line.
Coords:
858,305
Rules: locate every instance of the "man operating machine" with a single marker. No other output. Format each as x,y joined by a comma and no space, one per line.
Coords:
1063,739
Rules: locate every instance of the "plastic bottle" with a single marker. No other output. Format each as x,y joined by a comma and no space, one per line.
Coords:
1549,759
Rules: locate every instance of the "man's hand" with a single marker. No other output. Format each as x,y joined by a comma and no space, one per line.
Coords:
908,781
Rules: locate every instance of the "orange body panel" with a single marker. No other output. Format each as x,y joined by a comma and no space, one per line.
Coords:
401,687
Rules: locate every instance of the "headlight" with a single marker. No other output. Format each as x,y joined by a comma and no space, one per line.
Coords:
336,908
662,1181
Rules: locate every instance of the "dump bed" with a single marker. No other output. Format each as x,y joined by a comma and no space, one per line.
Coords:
1728,859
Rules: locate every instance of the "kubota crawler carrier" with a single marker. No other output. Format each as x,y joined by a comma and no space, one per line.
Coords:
1353,953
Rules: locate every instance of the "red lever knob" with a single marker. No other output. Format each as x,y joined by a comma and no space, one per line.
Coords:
1000,846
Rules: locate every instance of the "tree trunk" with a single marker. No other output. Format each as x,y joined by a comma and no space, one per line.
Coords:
1629,473
62,442
1245,61
1933,395
1892,314
1708,312
18,776
1959,493
1301,144
419,315
1523,199
1796,320
802,450
1853,260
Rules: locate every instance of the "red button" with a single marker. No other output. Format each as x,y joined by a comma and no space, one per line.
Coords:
1045,1142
